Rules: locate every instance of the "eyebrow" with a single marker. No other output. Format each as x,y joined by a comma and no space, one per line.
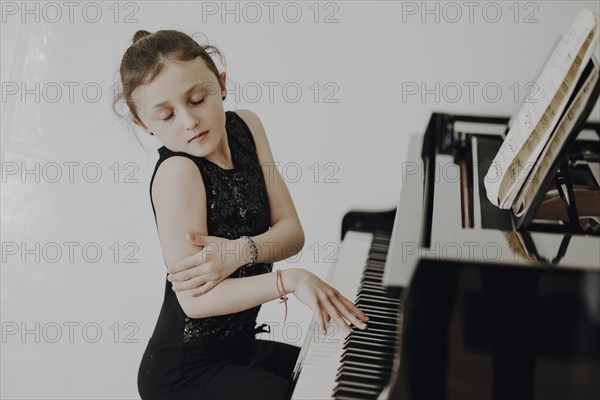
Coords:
194,86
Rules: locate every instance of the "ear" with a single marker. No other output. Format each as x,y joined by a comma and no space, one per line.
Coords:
222,83
141,125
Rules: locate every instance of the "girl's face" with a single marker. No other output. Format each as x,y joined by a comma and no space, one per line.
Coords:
183,101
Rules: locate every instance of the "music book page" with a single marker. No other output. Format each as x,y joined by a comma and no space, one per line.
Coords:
535,121
557,140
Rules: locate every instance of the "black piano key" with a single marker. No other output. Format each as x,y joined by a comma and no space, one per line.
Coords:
374,310
374,286
374,375
358,351
372,367
348,379
355,394
377,299
366,300
349,383
384,331
372,338
369,370
390,318
374,276
376,348
370,292
358,376
353,386
385,340
366,292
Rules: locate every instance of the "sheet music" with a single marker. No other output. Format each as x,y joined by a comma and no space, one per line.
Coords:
532,124
551,151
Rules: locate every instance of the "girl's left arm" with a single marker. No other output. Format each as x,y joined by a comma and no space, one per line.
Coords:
284,239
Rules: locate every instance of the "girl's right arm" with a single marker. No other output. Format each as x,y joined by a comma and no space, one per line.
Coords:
180,204
238,294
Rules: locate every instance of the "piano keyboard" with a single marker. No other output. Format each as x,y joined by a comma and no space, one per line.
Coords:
355,366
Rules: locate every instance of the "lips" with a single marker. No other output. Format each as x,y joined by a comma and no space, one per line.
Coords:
201,134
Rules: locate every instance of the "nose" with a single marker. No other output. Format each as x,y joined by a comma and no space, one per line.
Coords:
189,119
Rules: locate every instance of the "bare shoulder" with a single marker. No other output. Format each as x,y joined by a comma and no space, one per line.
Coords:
254,123
174,174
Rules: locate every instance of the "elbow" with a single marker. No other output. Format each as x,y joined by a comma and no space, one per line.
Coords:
189,311
301,238
195,312
190,307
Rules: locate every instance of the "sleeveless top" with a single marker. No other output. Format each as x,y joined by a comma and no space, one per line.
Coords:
237,205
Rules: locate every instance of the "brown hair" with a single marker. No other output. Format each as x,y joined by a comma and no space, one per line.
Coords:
146,57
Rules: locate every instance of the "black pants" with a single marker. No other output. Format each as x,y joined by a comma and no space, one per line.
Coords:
242,369
239,368
266,375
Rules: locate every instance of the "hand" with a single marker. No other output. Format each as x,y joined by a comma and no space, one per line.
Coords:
204,270
326,302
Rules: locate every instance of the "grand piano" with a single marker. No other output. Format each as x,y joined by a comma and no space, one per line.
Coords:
465,300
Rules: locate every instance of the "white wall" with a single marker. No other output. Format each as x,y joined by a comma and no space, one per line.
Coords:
363,57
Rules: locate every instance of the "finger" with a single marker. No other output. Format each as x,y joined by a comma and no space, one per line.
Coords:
208,286
321,320
348,313
190,283
189,262
335,315
327,317
192,272
355,310
184,264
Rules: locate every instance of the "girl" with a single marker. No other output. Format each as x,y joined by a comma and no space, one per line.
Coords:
210,179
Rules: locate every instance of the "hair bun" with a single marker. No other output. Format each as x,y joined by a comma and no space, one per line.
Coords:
140,35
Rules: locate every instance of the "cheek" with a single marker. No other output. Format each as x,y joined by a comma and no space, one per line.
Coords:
168,139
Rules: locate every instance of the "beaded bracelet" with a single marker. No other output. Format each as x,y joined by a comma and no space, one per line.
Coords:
253,250
282,297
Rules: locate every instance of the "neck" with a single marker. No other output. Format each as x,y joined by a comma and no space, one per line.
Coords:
222,154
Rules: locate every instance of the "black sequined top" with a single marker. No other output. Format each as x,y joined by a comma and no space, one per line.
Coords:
237,205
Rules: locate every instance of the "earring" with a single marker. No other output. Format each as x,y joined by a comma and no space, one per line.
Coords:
223,98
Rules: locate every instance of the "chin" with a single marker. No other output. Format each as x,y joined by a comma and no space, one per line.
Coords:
195,150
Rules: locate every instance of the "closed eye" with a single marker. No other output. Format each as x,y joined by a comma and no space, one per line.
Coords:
193,102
